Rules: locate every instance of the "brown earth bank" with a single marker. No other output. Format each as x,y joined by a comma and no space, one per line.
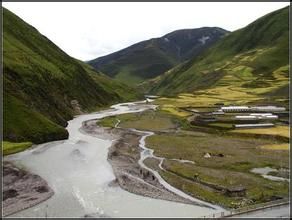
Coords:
124,155
22,189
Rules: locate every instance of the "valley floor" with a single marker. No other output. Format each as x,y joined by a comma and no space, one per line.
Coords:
124,156
212,163
208,162
84,183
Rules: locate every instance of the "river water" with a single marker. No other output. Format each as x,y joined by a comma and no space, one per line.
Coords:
79,173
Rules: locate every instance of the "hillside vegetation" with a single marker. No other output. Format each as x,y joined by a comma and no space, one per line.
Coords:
150,58
41,81
250,62
247,67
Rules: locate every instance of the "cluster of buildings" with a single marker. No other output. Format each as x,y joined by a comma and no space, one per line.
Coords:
257,113
251,109
262,125
253,117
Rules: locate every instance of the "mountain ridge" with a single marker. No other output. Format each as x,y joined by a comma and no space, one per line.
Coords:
41,83
253,53
150,58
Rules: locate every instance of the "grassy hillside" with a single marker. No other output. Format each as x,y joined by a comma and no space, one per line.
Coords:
11,148
150,58
138,65
253,60
40,82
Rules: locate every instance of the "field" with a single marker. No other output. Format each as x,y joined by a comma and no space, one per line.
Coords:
148,120
231,89
11,148
278,130
235,153
232,154
247,65
229,165
276,147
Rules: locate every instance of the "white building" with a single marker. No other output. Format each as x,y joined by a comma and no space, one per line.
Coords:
254,125
253,109
268,109
245,117
235,108
257,116
271,116
260,114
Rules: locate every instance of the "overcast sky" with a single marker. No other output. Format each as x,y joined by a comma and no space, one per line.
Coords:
89,30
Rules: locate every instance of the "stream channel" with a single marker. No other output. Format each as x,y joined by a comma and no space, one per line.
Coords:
81,182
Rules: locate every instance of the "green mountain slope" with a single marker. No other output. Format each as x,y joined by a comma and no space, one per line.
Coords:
253,59
150,58
41,84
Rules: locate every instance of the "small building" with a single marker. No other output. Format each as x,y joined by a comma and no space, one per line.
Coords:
271,117
151,96
207,155
245,117
235,108
256,116
268,109
260,114
265,125
235,191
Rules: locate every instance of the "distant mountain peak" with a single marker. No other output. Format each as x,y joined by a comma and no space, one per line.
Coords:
150,58
251,58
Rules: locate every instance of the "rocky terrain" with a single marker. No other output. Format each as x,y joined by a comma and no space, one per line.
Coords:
22,189
124,155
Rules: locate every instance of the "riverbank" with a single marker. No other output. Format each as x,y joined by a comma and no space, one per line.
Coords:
83,180
216,163
22,189
124,155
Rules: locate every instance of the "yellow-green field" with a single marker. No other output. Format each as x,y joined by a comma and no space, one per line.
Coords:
196,180
276,147
230,163
239,153
11,148
175,111
233,154
278,130
148,120
238,86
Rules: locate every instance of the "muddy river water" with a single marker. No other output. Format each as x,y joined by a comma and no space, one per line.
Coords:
79,173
